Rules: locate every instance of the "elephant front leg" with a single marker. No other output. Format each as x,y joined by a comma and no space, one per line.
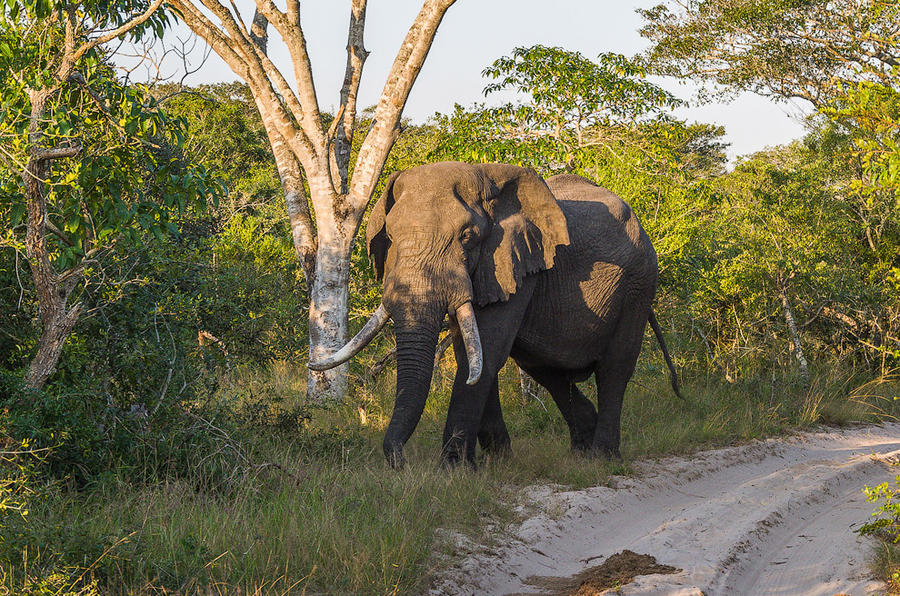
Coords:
476,408
467,405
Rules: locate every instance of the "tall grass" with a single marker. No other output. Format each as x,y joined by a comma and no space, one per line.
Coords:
314,508
886,565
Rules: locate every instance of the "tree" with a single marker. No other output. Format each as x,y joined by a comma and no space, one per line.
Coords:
780,48
308,150
86,161
571,103
869,114
779,232
840,55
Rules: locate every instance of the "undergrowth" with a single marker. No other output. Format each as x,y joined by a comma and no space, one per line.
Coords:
256,491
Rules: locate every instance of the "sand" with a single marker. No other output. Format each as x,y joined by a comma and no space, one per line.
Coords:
773,517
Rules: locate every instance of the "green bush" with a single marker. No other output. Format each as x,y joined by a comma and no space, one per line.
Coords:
887,529
887,525
86,440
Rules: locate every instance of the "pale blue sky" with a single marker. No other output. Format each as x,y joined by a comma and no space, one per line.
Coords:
475,32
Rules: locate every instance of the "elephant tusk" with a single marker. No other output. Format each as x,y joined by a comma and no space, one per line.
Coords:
468,327
359,341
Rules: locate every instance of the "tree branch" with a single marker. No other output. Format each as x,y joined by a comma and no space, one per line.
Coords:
119,31
346,117
292,33
10,163
58,233
302,227
42,153
400,79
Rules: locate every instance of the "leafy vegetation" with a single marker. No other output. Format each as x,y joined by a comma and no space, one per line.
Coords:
780,48
886,527
314,506
89,163
888,512
174,448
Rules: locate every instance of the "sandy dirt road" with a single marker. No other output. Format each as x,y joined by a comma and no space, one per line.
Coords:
773,517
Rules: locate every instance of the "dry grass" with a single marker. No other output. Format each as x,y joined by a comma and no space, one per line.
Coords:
886,564
320,512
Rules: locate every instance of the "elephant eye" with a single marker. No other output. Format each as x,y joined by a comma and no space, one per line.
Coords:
468,235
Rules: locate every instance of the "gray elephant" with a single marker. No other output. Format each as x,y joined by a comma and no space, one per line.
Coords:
560,276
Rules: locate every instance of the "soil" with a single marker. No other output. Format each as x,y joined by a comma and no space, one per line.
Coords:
773,517
618,570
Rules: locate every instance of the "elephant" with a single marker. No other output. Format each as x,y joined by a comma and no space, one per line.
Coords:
557,274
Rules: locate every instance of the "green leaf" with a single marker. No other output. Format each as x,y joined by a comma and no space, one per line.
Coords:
73,223
16,214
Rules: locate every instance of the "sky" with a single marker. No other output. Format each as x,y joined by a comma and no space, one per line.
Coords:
476,32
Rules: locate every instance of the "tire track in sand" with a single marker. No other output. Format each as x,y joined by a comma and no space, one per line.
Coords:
770,517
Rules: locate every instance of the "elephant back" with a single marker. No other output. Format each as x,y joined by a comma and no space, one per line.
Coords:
571,187
599,220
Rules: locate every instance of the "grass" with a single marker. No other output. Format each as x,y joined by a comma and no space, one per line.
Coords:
886,565
316,510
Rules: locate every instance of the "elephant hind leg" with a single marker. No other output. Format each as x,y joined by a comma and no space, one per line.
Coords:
492,435
612,374
577,410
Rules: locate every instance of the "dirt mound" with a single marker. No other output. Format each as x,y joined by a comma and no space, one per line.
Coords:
618,570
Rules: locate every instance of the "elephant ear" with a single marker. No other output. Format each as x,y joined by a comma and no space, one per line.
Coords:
527,227
376,233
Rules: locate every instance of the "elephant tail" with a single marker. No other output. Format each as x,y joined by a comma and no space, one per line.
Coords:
662,344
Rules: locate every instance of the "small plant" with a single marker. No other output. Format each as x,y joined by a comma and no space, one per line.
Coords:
887,526
15,472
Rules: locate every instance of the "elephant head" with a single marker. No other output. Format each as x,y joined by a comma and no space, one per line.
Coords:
444,237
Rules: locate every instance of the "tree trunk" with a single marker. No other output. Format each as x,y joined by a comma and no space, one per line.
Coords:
796,346
57,328
53,289
328,315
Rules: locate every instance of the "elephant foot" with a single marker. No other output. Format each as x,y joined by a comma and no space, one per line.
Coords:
458,452
394,456
495,444
454,463
582,448
582,443
606,453
596,450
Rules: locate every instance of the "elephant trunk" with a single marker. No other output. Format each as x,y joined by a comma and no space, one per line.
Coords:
415,364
